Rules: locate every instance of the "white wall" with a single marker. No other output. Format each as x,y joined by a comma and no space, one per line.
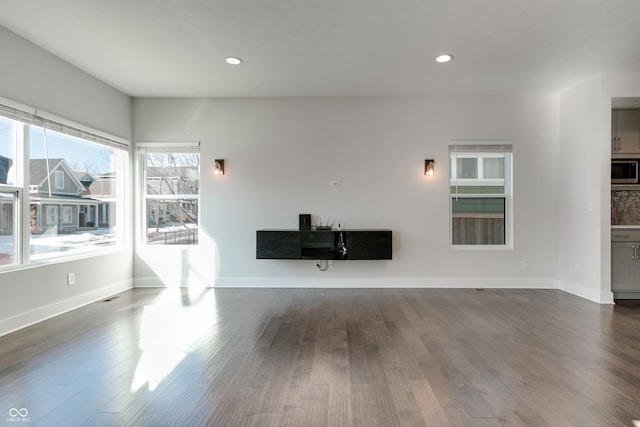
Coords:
33,77
584,155
281,155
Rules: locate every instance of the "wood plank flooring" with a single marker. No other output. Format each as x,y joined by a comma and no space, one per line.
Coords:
327,357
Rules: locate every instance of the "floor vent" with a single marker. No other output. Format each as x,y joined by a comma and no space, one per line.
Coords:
110,299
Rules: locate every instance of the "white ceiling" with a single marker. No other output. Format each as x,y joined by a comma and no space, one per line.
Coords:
176,48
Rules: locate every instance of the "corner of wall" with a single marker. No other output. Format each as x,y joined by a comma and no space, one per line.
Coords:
589,294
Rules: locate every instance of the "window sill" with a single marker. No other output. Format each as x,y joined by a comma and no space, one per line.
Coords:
62,259
482,247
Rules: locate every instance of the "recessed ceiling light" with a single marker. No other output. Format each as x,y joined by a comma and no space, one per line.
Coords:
233,60
444,58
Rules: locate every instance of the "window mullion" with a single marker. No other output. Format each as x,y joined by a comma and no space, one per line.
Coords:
24,212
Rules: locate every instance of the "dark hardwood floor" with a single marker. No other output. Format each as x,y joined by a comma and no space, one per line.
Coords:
327,357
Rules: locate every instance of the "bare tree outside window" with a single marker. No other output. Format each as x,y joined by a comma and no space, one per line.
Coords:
172,186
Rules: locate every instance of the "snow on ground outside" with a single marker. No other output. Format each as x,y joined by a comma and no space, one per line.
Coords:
42,244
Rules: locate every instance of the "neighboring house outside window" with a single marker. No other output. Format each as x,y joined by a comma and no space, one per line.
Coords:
77,208
481,194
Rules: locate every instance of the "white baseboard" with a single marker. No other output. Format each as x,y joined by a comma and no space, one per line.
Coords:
606,298
147,282
155,282
400,282
594,295
37,315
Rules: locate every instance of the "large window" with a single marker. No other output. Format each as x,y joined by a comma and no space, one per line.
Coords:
59,189
171,188
481,199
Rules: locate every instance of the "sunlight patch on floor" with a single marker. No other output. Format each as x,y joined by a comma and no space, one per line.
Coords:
170,329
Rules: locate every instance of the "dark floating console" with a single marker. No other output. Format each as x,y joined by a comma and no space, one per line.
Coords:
323,244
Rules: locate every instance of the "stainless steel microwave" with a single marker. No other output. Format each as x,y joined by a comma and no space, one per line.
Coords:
624,171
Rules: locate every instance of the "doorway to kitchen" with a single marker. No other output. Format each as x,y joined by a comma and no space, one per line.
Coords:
625,198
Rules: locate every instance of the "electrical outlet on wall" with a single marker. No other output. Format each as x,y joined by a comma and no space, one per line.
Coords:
71,279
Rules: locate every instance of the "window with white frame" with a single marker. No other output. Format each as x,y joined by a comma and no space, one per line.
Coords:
170,177
59,180
47,194
480,177
52,215
67,215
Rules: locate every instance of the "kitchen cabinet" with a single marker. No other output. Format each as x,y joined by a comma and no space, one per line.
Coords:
625,266
625,263
625,132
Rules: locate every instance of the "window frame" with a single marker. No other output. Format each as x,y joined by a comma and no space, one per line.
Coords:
482,149
142,149
52,214
66,215
58,179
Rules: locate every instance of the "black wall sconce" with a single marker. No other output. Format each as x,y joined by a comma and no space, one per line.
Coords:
429,167
218,167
